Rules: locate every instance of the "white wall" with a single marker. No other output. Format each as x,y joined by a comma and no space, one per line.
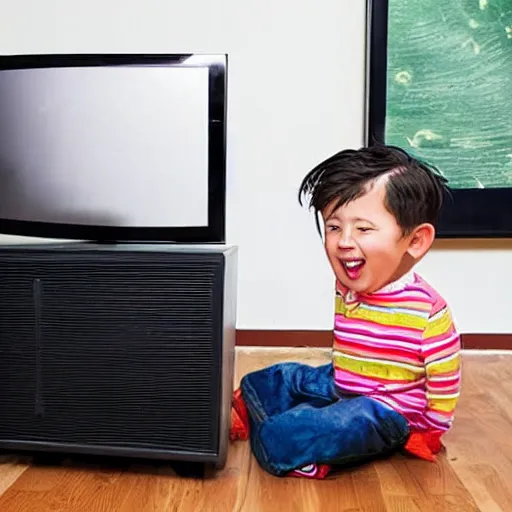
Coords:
296,95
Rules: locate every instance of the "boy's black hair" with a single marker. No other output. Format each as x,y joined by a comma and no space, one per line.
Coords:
414,192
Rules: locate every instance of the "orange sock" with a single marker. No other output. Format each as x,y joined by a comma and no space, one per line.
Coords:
239,418
424,444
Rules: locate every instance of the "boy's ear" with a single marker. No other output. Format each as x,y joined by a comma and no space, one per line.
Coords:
420,240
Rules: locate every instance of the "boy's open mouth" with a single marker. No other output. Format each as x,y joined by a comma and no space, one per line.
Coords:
353,268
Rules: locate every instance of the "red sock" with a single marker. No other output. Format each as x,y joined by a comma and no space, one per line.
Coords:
424,444
239,418
314,471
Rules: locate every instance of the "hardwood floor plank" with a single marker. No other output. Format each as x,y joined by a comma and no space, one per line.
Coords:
337,493
416,484
368,489
57,488
480,443
11,468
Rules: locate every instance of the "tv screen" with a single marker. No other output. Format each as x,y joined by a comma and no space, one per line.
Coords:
113,147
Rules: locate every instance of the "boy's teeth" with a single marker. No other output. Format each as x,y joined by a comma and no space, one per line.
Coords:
353,264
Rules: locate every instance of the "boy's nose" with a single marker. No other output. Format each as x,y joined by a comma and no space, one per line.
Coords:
345,242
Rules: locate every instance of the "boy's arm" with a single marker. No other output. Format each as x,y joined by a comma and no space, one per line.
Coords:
441,354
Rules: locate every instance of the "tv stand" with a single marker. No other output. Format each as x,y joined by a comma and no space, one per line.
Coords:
118,349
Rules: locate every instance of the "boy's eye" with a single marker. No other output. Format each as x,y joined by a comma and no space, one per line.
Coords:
364,230
332,228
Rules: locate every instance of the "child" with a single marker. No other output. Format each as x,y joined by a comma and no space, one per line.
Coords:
394,378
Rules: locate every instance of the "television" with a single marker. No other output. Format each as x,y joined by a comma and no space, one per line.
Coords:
115,147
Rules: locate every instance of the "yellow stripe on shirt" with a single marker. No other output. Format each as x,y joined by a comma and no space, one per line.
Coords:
438,326
378,369
443,366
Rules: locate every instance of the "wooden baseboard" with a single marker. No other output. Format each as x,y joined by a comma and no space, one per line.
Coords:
273,338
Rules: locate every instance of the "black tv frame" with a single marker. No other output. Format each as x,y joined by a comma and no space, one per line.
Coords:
469,213
214,232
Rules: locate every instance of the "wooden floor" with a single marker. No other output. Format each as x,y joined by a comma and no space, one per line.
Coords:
475,472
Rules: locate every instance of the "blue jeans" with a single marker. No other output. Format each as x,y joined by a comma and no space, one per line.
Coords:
297,417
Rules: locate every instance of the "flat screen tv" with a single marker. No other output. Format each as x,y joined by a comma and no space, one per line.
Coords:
113,147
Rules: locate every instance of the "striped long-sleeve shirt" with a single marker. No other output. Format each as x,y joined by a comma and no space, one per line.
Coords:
400,346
